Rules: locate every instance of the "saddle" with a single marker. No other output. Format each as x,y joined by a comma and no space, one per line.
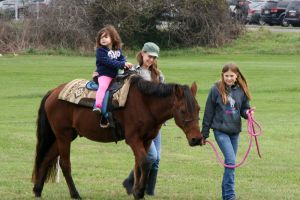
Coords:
118,90
115,98
83,92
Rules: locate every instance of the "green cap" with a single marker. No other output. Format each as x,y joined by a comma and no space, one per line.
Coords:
151,48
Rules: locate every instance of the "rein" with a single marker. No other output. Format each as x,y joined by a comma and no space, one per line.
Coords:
252,126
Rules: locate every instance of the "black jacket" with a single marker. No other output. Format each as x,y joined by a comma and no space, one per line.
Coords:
225,117
108,62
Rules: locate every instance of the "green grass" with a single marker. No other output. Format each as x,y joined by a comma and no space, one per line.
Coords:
254,42
185,172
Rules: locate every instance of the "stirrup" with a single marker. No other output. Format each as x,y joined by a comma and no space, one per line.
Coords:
104,123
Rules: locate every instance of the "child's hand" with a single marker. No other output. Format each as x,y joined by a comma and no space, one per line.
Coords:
251,111
128,65
203,141
94,74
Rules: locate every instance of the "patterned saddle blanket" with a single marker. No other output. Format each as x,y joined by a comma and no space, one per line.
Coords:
77,93
83,92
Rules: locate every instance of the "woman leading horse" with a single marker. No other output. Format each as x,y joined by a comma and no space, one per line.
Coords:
148,106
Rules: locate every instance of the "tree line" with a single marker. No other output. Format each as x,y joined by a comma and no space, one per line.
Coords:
73,24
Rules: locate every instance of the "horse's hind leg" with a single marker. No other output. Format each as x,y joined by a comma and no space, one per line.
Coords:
64,145
43,171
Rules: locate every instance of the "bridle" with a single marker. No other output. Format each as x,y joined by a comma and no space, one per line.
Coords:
186,122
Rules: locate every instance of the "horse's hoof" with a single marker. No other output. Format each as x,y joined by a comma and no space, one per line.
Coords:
75,196
79,197
138,195
128,186
37,192
137,198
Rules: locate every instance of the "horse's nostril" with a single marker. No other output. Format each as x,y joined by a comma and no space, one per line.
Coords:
195,141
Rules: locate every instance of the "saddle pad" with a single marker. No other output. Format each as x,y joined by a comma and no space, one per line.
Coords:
120,97
76,92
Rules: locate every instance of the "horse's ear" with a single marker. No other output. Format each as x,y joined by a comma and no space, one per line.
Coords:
194,88
178,91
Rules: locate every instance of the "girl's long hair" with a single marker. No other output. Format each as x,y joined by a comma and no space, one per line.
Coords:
241,81
113,33
153,68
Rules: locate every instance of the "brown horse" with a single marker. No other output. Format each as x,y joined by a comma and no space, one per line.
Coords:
148,106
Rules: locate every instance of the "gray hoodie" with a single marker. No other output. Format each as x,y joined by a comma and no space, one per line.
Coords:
225,117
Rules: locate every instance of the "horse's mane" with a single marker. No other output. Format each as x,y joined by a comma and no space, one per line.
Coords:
163,90
152,88
190,99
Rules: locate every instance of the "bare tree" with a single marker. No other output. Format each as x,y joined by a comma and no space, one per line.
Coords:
62,24
169,23
73,24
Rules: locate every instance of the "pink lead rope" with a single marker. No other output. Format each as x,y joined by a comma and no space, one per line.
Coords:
252,126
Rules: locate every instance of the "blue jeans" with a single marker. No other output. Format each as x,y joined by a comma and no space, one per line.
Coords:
154,152
228,145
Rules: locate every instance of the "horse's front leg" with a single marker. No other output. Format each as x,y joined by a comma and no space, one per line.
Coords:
141,176
142,168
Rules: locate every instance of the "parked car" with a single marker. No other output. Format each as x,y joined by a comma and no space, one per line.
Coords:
25,7
254,12
273,12
1,3
10,4
40,2
231,4
7,8
292,15
36,6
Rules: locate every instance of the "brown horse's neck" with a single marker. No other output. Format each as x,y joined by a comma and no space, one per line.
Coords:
162,108
157,99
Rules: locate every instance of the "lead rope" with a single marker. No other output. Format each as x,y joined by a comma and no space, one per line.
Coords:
254,130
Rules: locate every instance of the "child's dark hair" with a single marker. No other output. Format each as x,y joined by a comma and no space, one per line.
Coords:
241,81
113,33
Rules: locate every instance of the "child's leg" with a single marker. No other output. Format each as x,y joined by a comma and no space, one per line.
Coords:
104,82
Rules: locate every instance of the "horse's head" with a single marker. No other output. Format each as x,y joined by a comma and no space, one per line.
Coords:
186,113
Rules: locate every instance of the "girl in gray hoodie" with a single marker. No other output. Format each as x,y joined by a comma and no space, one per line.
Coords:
227,102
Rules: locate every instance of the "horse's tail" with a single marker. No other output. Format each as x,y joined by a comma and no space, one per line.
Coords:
45,139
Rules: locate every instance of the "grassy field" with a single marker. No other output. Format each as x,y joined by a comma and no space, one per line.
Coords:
185,172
